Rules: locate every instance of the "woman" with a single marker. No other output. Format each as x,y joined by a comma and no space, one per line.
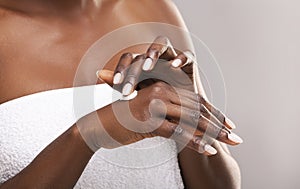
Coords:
42,43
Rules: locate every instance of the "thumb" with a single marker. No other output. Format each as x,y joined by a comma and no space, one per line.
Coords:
106,76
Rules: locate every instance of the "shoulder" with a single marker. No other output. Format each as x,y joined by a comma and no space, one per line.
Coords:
157,11
158,5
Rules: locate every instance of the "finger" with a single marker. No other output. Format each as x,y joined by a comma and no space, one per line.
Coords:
196,143
121,68
184,137
214,111
194,105
184,58
177,98
206,113
106,76
217,113
160,46
203,124
133,75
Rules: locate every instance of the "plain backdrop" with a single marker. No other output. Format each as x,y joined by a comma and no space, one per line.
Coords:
257,45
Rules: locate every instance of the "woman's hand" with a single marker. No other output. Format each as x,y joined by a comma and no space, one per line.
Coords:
163,110
127,75
156,111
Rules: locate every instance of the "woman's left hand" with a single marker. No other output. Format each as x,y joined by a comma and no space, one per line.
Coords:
162,62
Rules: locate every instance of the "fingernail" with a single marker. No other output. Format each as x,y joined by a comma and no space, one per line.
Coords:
97,73
117,78
147,64
211,150
127,89
176,63
234,138
230,123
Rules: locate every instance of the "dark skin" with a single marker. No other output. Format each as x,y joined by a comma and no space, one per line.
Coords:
41,45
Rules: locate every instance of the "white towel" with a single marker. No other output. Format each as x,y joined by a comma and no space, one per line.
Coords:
28,124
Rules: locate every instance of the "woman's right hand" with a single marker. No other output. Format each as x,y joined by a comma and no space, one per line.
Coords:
158,110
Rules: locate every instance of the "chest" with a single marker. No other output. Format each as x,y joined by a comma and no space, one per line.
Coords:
38,55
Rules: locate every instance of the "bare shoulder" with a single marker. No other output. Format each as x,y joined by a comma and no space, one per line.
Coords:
158,11
166,5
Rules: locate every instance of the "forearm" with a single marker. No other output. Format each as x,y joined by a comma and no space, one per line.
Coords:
59,165
218,171
200,171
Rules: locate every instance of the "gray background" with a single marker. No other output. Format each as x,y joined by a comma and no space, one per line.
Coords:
257,46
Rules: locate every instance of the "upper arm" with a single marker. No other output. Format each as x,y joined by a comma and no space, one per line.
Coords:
172,24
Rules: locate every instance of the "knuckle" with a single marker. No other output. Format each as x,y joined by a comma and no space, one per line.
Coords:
157,107
195,116
154,102
160,84
158,89
177,130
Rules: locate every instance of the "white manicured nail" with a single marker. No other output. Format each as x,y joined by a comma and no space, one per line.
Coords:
230,123
97,73
127,89
176,63
147,64
234,138
117,78
211,150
